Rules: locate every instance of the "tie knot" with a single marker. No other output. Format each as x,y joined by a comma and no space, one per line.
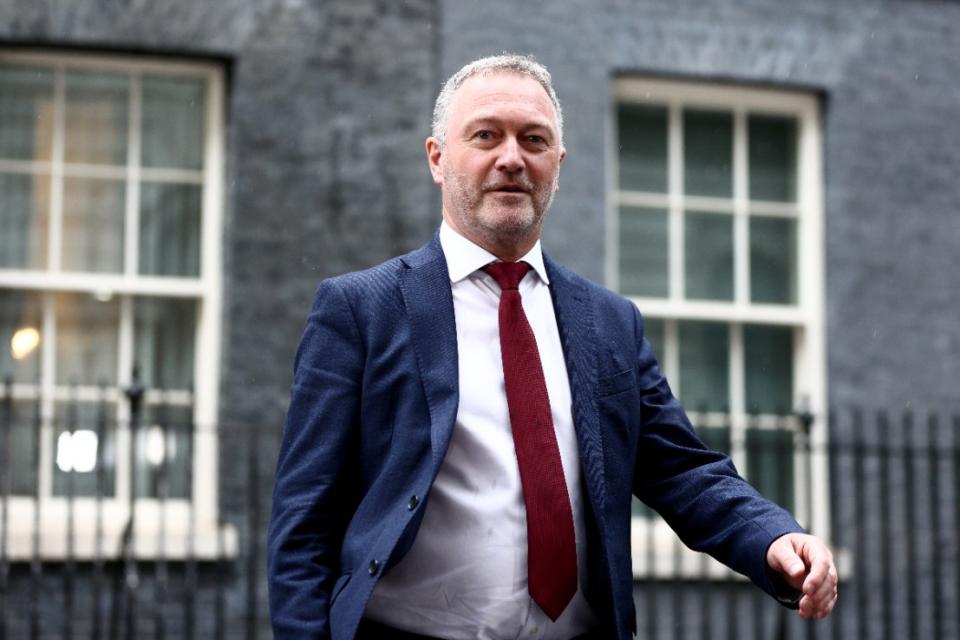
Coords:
507,274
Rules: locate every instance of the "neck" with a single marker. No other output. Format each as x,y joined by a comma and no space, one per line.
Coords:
512,253
504,246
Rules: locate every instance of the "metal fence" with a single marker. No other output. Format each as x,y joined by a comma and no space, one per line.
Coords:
102,534
118,546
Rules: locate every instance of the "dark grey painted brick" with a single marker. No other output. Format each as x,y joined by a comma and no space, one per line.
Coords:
329,103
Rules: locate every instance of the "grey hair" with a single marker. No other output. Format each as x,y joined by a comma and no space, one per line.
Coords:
524,65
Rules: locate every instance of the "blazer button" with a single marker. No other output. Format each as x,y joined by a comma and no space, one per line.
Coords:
373,567
414,501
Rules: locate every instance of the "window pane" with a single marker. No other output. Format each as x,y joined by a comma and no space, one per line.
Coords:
170,229
704,365
96,118
93,225
768,358
26,113
643,252
653,331
643,148
86,339
708,256
21,333
164,335
770,464
708,153
640,510
24,211
773,260
85,449
717,438
173,122
164,452
773,158
22,457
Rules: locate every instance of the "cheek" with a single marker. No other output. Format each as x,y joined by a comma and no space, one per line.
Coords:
544,169
478,166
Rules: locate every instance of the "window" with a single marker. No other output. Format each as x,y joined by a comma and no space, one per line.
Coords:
110,198
716,233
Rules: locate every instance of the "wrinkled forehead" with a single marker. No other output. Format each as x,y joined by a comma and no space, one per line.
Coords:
490,93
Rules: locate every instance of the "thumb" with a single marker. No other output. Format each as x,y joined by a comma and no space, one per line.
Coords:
786,561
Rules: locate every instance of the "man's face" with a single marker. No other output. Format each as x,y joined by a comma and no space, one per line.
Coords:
498,169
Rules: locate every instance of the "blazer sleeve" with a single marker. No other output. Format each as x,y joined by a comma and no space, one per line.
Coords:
312,493
698,491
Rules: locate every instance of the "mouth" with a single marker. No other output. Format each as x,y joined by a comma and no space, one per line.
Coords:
511,188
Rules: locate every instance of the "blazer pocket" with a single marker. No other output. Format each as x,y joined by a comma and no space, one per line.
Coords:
617,383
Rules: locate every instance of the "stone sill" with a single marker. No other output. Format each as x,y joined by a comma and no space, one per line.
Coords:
163,531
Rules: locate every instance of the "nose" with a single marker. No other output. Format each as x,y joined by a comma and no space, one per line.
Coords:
510,158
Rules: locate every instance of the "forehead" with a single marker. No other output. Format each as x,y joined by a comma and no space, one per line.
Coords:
499,95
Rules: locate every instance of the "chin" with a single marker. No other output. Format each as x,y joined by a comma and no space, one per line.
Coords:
511,220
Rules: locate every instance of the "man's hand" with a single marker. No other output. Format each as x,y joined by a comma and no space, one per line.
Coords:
806,564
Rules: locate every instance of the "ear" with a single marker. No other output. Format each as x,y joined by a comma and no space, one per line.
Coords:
556,184
434,153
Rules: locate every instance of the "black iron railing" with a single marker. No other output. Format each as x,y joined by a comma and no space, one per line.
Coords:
90,550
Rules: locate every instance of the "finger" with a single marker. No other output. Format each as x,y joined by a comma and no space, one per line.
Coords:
822,599
819,595
812,609
822,591
825,591
823,609
831,588
819,579
820,561
821,603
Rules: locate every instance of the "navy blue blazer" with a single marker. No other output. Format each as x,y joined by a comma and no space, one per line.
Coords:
373,405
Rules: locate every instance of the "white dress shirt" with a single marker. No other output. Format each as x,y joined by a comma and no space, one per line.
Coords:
465,577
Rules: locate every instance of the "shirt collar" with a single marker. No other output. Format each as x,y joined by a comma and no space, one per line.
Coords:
464,257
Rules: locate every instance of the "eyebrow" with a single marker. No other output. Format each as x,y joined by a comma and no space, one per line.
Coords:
495,121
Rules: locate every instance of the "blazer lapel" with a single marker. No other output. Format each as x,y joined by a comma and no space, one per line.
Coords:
579,338
425,285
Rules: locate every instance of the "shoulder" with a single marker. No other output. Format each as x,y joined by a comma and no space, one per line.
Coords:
365,280
384,277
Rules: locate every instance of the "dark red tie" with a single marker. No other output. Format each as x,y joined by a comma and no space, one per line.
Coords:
551,549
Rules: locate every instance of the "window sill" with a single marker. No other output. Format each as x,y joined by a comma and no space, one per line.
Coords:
163,532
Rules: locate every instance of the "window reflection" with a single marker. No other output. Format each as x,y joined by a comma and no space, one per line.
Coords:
708,153
84,448
170,229
24,223
86,339
173,122
77,451
708,256
20,333
26,113
164,331
96,118
93,225
164,451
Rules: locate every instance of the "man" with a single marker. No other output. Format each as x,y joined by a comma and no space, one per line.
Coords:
469,422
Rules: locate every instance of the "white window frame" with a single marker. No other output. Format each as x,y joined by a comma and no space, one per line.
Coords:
806,316
162,528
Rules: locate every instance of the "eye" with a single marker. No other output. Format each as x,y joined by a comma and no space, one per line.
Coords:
484,135
537,141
